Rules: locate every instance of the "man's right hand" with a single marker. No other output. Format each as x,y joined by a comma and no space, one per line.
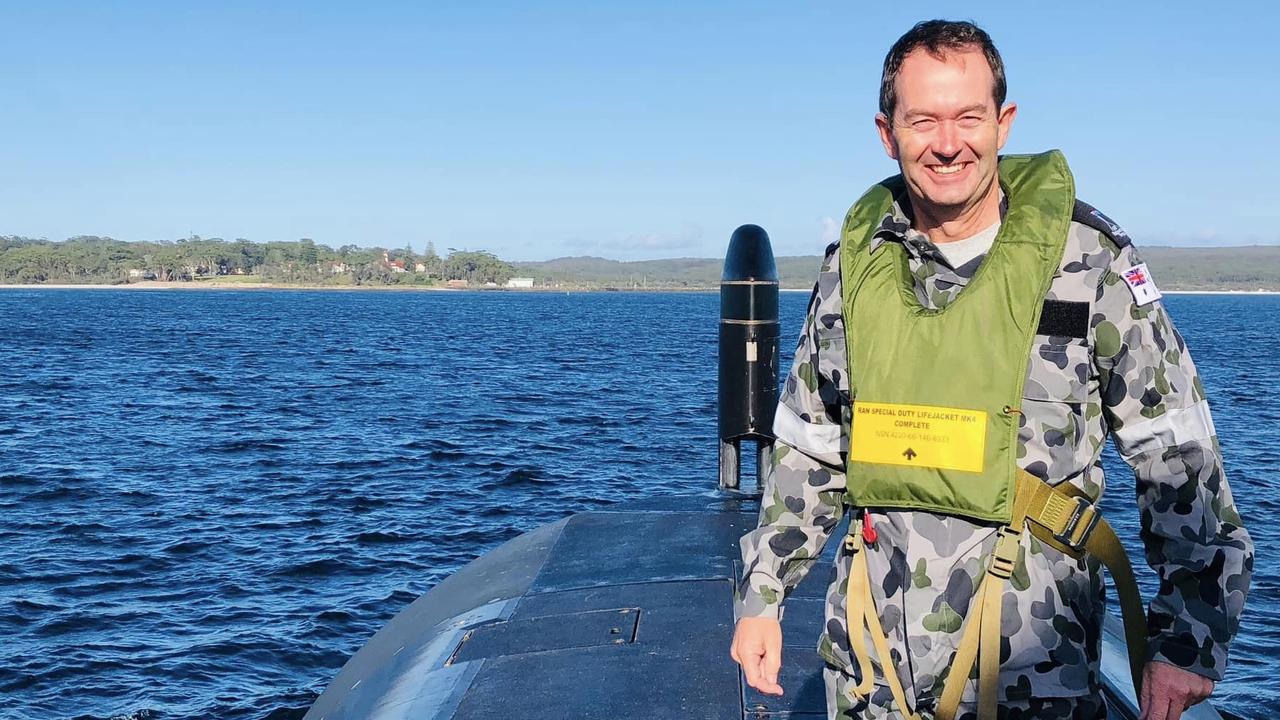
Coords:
757,647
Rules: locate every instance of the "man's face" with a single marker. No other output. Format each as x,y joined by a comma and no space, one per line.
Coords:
946,131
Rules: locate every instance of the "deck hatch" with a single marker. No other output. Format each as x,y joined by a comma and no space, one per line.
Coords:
549,632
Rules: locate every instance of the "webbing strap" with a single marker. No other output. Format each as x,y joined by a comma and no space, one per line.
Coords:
981,637
1061,517
857,601
989,651
967,652
856,594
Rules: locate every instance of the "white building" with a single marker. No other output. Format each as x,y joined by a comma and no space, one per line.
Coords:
520,282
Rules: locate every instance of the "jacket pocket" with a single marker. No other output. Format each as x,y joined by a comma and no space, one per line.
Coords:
1052,432
1058,373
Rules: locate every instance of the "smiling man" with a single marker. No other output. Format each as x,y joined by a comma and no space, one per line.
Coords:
974,337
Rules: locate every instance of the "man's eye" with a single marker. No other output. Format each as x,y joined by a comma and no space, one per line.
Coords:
924,124
970,121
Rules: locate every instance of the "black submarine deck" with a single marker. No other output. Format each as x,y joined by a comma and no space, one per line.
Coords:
617,614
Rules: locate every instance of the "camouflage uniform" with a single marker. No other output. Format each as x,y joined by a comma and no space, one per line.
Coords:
1131,377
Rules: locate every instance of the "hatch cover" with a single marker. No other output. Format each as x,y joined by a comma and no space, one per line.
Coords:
550,632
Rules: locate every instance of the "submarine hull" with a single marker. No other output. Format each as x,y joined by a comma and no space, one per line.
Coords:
611,614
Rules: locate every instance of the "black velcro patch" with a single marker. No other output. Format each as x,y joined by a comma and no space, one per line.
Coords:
1064,319
1086,214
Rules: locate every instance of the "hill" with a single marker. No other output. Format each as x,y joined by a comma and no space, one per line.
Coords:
1255,267
1251,267
676,273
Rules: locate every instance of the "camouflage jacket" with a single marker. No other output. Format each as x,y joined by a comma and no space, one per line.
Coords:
1131,377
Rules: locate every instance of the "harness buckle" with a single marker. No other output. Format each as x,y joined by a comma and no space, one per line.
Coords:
1005,555
852,540
1084,518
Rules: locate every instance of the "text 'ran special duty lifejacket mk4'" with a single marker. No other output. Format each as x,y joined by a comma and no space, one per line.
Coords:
937,394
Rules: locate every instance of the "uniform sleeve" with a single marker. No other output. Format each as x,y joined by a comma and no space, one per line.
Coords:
1156,409
802,501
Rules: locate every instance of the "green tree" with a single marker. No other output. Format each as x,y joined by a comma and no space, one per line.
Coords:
434,265
476,267
308,258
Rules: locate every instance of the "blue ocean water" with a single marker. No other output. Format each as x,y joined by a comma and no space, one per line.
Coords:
209,500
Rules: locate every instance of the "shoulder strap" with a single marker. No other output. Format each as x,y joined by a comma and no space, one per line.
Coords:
1086,214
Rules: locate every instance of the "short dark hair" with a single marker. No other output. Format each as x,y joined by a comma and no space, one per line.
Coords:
939,37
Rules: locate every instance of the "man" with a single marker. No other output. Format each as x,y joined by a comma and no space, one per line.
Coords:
1104,359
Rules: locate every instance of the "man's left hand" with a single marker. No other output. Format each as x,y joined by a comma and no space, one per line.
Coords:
1167,691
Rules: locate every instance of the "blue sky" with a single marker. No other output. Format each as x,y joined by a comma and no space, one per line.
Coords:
626,130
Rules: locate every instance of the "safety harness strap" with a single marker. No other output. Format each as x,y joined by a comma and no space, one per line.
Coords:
857,592
858,601
1061,517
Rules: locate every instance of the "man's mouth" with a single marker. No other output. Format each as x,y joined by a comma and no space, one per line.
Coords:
948,169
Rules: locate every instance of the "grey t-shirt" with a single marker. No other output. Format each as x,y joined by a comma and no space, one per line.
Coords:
960,252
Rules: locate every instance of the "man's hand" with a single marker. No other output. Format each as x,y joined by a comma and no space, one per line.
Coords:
757,647
1167,691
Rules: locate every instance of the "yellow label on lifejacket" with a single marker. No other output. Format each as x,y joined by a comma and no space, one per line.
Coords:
920,435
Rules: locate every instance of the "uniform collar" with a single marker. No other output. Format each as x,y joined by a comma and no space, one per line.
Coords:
895,226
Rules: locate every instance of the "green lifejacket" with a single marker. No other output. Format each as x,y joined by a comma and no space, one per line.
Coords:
936,399
936,392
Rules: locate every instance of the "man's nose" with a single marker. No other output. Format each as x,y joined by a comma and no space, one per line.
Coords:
946,142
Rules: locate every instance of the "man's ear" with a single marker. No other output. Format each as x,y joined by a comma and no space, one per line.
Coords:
885,128
1004,123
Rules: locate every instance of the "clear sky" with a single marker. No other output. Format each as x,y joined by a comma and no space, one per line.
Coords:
626,130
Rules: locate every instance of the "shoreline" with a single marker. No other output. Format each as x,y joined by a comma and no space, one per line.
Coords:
209,285
185,286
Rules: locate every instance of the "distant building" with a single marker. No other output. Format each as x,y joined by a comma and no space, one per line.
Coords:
456,284
136,274
394,265
419,267
520,282
337,267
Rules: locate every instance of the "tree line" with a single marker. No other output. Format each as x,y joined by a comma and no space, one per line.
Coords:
93,259
103,260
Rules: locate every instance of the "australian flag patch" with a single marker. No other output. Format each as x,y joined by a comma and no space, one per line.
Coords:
1144,289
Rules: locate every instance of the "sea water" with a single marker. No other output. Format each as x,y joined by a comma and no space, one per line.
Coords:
210,499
